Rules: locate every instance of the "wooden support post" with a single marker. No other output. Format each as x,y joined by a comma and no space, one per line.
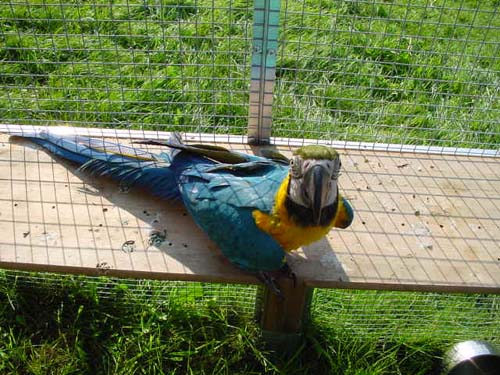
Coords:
282,318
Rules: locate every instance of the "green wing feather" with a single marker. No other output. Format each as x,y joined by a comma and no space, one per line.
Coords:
216,153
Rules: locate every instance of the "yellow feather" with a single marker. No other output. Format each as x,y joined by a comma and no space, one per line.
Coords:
283,229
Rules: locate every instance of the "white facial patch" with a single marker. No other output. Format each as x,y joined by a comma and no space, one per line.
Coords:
301,184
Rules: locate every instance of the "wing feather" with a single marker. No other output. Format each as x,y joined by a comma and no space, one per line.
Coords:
156,177
221,200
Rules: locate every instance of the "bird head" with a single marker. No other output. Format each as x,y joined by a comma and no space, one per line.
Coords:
314,171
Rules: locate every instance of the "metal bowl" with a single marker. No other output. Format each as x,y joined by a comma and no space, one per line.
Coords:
473,357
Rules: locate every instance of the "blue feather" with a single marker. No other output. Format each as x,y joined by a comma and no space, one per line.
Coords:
220,194
222,201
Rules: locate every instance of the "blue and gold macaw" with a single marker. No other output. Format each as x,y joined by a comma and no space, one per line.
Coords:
255,208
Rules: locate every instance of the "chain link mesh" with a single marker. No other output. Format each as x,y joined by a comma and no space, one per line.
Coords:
358,313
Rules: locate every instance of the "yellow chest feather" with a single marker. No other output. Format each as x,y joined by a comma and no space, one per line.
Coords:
283,229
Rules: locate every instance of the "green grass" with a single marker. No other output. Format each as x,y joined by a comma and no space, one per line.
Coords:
349,70
386,71
391,72
60,324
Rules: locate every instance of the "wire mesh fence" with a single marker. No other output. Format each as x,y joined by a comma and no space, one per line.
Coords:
410,316
417,72
128,292
411,72
407,72
139,64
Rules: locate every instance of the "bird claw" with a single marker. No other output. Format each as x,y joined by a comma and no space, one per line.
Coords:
287,270
270,282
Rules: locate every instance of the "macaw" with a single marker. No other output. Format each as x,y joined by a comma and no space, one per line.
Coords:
255,208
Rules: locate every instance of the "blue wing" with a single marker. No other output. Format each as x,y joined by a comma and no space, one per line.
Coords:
221,201
220,196
128,165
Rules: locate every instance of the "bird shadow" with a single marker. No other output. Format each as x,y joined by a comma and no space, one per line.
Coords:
318,261
128,230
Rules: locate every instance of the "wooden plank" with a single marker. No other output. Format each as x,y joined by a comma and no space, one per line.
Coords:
423,222
239,139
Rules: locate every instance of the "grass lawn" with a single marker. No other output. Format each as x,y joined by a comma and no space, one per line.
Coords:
53,324
420,72
349,70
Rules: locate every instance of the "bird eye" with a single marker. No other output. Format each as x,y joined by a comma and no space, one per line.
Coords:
295,168
337,173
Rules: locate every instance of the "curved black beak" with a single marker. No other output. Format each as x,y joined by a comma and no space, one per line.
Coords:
319,191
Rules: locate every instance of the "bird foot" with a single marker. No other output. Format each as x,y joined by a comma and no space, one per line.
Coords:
287,270
270,282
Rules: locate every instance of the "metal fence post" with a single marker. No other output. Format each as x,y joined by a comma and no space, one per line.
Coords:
281,319
263,74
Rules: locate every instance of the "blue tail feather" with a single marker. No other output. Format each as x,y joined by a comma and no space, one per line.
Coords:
130,167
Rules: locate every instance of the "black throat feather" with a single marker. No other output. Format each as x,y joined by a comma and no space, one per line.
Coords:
303,216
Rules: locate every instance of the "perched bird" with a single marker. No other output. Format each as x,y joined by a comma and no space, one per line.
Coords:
255,208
